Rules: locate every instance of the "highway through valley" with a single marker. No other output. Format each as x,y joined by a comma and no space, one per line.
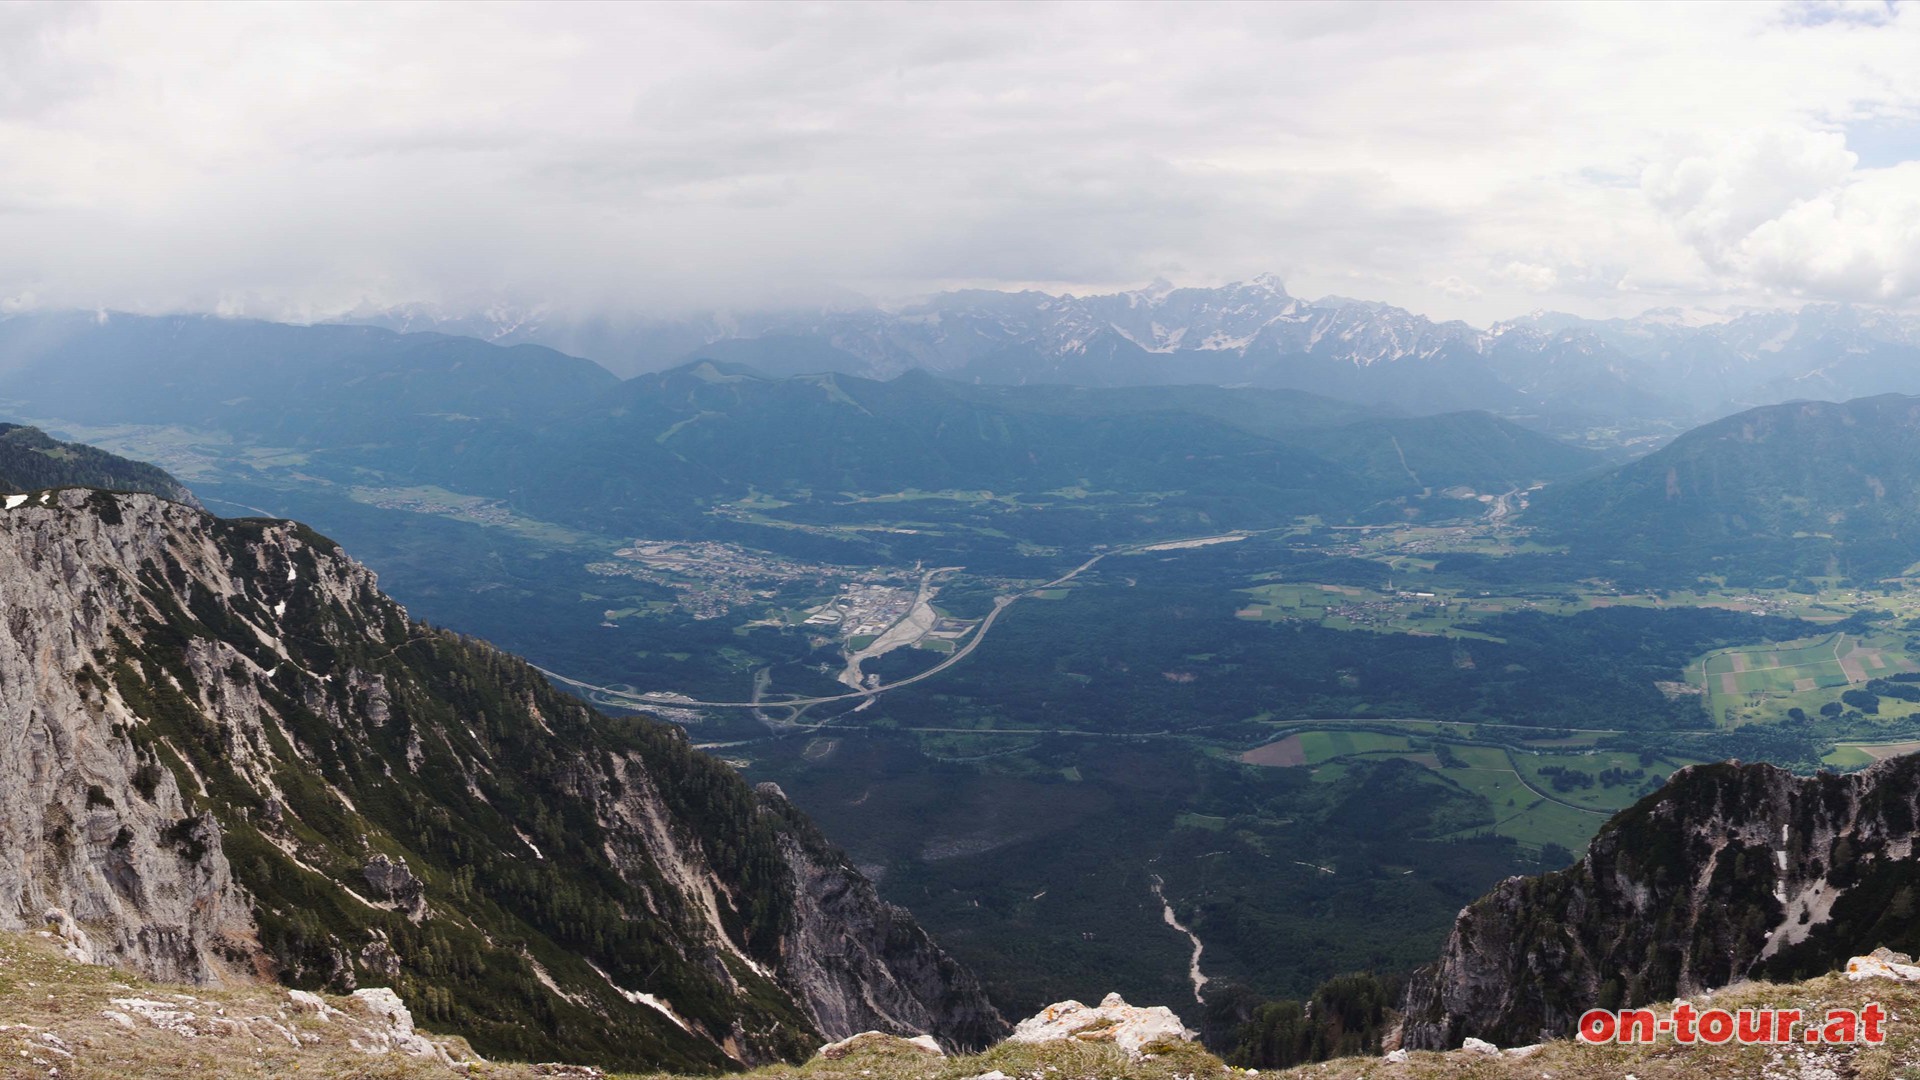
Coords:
663,699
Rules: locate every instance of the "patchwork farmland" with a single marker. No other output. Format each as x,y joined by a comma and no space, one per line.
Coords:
1555,790
1762,682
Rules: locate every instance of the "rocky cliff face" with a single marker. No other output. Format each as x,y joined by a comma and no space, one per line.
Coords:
863,964
224,754
1729,872
88,824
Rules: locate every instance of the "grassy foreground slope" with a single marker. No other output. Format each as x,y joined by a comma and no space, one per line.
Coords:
58,1019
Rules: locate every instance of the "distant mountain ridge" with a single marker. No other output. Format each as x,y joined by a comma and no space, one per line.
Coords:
1809,488
1662,364
275,381
561,439
30,460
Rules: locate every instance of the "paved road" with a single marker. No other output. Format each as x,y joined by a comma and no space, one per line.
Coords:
1309,722
1000,604
910,628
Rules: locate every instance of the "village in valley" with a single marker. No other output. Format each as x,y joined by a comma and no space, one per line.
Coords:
712,579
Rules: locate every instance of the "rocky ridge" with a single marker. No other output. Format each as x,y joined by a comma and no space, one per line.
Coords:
1729,873
226,755
1666,364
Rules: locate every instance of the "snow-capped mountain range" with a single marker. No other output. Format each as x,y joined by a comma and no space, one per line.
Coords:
1665,364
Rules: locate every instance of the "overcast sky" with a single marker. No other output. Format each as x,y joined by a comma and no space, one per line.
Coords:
1473,162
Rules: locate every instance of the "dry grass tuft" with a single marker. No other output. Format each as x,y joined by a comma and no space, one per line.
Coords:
65,1021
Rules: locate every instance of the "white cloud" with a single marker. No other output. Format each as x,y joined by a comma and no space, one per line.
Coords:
1789,209
1860,240
1466,161
1531,276
1718,199
1454,285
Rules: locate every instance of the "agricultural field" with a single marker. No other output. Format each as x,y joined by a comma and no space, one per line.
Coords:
1555,790
1323,746
1848,756
1424,542
1427,589
1620,778
1354,607
1439,604
1761,683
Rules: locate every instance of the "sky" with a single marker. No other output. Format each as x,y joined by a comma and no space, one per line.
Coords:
299,161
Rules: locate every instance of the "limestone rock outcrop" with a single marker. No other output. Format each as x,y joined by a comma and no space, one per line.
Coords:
225,754
389,879
1127,1026
1883,963
873,1040
89,825
392,1029
1729,872
861,963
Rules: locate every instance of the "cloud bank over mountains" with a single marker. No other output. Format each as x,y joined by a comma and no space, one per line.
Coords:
1791,209
1470,162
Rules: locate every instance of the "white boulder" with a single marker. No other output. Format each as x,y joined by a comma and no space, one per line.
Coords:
168,1016
395,1024
1126,1026
309,1002
1883,963
1479,1046
872,1040
73,940
928,1043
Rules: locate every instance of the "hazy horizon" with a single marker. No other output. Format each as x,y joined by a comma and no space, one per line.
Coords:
843,300
1474,163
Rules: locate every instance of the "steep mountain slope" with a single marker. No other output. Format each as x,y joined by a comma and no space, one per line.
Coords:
227,753
1474,449
30,460
1729,872
1802,488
